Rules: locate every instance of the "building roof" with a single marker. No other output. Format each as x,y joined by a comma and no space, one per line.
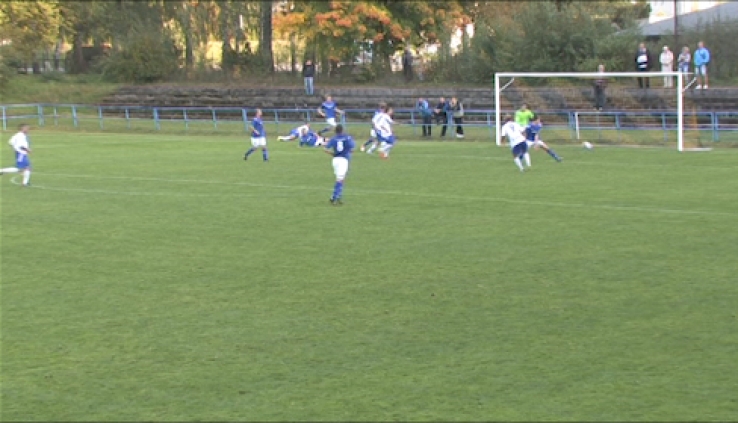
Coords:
723,12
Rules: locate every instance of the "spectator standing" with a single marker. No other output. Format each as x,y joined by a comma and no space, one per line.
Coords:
426,113
407,65
643,64
701,60
683,61
438,111
308,73
442,115
667,65
457,110
599,89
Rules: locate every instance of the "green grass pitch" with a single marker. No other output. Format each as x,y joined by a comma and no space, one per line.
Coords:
161,277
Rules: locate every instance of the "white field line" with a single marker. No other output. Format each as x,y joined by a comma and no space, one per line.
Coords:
381,192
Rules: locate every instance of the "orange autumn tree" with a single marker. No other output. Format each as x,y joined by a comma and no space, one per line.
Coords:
339,27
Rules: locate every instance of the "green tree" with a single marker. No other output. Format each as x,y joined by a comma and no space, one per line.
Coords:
265,40
146,56
30,26
82,21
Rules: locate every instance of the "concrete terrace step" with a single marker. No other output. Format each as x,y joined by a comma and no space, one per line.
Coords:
539,98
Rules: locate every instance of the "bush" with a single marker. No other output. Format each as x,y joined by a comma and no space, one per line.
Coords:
146,57
6,74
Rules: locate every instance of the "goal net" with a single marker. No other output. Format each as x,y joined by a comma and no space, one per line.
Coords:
615,108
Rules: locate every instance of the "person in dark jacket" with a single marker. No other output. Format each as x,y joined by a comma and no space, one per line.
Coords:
457,111
442,115
407,65
644,63
308,73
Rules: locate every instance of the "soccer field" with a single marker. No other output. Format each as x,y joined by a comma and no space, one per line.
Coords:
162,277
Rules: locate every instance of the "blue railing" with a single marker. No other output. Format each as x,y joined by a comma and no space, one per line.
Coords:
713,124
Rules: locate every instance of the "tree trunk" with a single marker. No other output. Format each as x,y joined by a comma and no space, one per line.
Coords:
79,64
293,53
265,39
186,21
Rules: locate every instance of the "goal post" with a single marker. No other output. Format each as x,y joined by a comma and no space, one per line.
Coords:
504,79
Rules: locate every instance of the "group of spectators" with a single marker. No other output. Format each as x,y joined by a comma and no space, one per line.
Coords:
644,63
445,113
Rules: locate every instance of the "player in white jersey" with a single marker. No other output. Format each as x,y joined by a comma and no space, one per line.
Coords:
22,149
371,144
383,126
296,133
516,136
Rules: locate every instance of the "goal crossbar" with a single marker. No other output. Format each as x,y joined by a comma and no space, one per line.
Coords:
592,75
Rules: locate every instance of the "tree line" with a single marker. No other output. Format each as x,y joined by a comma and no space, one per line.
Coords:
147,41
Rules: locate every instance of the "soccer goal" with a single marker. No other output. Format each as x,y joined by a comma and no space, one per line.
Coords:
637,108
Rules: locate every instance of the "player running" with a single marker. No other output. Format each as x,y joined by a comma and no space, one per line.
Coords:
515,135
296,133
372,142
22,147
340,147
383,122
329,109
533,138
258,137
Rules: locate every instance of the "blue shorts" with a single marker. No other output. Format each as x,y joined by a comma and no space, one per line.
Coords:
294,133
22,161
388,140
520,149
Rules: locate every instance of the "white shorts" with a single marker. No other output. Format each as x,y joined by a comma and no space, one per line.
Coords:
331,122
700,70
320,141
340,167
533,144
258,142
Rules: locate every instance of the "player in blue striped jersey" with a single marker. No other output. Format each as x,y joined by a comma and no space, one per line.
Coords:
258,137
533,138
340,147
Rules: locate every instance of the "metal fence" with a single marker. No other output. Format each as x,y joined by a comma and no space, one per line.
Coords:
564,125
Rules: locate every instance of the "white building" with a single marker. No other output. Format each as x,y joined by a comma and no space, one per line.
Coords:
725,11
664,9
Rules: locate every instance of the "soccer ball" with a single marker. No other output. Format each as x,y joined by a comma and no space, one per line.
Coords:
588,145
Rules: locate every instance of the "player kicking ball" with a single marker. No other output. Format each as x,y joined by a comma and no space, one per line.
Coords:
258,137
514,133
340,148
22,148
296,133
533,138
